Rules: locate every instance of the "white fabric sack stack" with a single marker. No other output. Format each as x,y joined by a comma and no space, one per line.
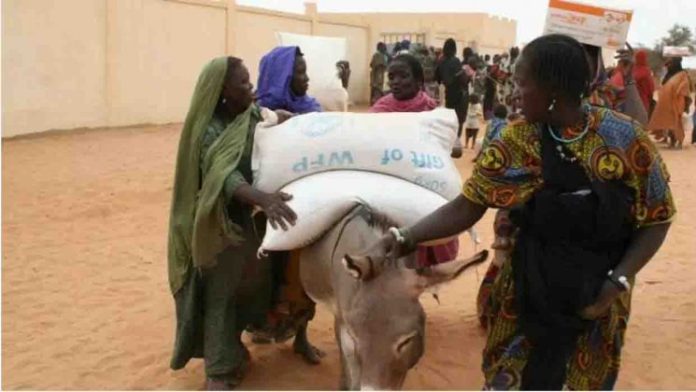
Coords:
322,200
415,147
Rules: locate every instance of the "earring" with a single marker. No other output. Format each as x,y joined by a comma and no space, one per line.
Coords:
224,101
552,106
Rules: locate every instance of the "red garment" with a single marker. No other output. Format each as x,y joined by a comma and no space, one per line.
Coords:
420,103
644,78
426,255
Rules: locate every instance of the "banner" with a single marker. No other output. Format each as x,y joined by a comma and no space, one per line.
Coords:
603,27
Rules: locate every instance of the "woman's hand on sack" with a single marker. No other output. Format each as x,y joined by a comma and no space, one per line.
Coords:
277,211
283,115
607,295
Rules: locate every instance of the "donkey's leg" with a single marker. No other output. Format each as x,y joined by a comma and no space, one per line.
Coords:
350,367
302,346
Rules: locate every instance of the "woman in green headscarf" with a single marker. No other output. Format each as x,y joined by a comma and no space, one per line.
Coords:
218,284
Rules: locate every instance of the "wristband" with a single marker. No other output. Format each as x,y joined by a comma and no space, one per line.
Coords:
621,282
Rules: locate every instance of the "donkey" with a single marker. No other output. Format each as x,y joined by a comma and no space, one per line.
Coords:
379,321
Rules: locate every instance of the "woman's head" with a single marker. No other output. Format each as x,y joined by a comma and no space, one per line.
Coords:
450,48
552,70
300,81
468,52
381,47
474,99
673,64
500,111
641,58
406,77
236,95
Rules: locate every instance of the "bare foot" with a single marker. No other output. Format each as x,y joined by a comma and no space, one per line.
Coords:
302,346
309,353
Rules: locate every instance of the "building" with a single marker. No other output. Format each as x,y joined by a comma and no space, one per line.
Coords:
484,33
103,63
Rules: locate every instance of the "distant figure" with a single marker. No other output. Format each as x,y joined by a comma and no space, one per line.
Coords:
643,77
343,67
378,67
487,59
427,60
449,72
467,54
404,48
673,100
474,120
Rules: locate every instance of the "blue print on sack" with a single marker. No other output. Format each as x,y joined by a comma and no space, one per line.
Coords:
426,161
433,185
330,160
312,125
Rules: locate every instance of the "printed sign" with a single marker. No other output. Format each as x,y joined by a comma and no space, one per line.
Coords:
676,51
603,27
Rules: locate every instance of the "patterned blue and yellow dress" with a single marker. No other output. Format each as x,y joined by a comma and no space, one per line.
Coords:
506,175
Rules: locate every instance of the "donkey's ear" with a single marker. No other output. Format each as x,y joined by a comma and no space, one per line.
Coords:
360,268
446,272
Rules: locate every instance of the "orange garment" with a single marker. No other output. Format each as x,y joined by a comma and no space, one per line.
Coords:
670,106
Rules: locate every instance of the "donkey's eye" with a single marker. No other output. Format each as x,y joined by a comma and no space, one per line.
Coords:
405,341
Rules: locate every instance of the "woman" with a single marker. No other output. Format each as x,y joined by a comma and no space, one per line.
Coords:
586,182
604,93
449,72
406,82
673,100
643,77
378,66
283,81
283,84
219,286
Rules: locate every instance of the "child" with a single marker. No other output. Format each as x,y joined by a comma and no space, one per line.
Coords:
474,119
499,121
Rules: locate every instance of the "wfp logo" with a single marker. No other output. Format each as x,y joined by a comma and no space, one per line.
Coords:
313,125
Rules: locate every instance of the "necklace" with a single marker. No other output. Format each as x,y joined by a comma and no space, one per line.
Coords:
559,147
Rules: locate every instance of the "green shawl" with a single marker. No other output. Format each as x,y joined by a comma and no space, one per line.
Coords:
198,226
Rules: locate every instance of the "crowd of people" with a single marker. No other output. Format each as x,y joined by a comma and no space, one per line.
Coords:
581,191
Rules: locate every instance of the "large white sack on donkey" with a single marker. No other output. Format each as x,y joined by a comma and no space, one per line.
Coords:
413,146
323,199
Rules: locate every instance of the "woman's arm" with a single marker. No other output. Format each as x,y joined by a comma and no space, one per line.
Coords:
644,244
448,220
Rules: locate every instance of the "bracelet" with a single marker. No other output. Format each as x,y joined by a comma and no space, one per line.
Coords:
397,235
403,238
621,282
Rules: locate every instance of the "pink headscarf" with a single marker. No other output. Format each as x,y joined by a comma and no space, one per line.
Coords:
420,103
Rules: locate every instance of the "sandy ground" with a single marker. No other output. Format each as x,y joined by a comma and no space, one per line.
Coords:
86,304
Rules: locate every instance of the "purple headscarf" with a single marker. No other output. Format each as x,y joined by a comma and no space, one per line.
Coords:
275,76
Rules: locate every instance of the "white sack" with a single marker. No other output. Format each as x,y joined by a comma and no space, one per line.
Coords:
413,146
322,200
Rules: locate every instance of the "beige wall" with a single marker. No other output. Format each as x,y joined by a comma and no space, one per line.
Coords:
95,63
53,69
155,64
